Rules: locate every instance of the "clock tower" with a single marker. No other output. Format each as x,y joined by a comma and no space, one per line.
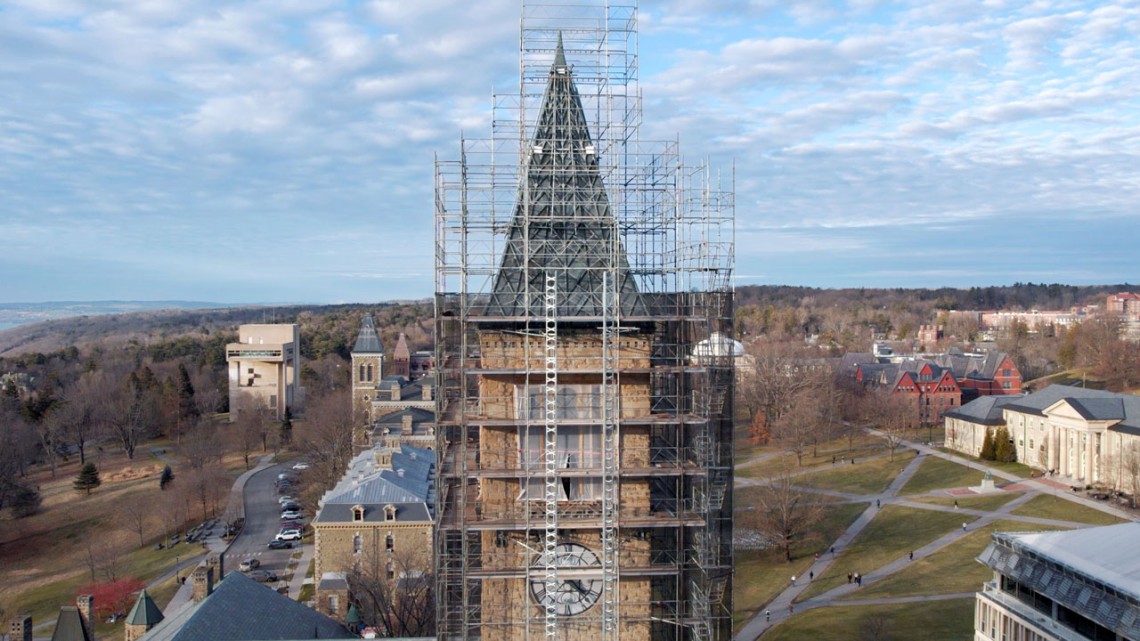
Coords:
585,439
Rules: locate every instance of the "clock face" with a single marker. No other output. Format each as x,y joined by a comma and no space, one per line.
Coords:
573,594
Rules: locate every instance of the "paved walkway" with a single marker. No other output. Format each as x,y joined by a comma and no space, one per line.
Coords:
778,608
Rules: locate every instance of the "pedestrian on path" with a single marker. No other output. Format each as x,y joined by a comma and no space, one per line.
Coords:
793,579
791,609
877,503
849,577
858,579
833,549
955,504
912,555
963,526
833,460
817,556
811,576
767,616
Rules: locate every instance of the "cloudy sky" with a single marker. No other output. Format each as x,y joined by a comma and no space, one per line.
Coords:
282,150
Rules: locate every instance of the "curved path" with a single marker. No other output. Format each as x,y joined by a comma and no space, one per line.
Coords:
778,608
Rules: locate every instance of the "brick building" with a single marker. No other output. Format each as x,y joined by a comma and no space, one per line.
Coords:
932,389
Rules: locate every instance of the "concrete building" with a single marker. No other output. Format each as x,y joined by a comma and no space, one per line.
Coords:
265,369
1078,585
1089,435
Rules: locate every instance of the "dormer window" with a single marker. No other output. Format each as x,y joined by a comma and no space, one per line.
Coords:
389,512
357,513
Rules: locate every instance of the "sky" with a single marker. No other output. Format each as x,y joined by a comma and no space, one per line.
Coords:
282,150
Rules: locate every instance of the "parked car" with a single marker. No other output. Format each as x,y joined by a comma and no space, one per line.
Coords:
249,564
289,534
301,466
291,525
280,545
289,515
291,506
263,576
286,499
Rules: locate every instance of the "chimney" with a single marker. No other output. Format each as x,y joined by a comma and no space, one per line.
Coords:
406,421
86,605
427,391
203,580
395,391
20,628
214,561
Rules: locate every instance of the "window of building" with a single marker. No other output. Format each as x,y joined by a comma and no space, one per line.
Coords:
389,512
1007,372
390,542
273,401
370,373
1006,385
357,513
362,379
357,544
334,601
391,568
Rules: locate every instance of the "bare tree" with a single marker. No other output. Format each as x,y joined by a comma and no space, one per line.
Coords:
203,485
136,515
130,408
895,417
397,593
201,446
783,513
770,389
875,627
326,437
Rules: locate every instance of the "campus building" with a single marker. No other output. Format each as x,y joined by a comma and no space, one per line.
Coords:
265,369
1077,585
584,410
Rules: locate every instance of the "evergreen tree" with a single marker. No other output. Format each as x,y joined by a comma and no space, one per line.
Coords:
166,478
88,479
1003,449
286,435
987,453
187,408
25,501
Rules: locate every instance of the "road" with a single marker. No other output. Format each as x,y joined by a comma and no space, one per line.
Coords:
262,521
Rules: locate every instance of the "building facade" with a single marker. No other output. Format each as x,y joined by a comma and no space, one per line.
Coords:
1078,585
265,369
584,437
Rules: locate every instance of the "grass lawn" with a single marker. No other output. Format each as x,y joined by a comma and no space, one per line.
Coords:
862,445
949,620
987,502
939,474
867,476
762,574
1017,469
894,532
948,571
1051,507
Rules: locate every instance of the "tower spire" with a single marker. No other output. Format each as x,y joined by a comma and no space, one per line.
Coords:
559,54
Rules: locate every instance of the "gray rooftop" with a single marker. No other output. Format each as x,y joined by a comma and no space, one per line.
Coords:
562,223
368,341
145,611
984,410
243,610
69,626
373,513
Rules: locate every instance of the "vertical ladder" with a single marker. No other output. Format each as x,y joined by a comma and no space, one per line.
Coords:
550,454
610,460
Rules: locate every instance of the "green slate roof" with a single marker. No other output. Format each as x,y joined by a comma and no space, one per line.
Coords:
145,612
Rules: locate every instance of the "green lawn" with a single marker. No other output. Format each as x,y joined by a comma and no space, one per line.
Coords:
948,620
861,446
950,570
762,574
866,476
1016,469
939,474
1051,507
986,502
894,532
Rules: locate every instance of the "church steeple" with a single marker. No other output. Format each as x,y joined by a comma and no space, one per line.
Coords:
367,340
562,223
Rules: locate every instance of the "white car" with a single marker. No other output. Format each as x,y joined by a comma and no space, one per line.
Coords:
285,499
291,515
301,466
291,534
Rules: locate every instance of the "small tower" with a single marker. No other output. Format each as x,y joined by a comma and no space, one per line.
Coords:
402,358
144,616
367,368
20,628
86,605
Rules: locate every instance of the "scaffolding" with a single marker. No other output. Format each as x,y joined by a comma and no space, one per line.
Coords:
584,358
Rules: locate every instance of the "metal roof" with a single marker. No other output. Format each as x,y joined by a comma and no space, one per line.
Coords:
562,225
368,341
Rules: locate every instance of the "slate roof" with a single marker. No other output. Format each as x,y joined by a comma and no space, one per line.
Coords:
145,611
373,513
1091,404
69,626
409,390
1036,402
366,483
562,223
973,366
243,610
368,341
419,416
984,410
402,353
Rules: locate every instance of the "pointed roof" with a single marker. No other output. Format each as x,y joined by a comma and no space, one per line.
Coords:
562,225
368,341
402,353
145,612
70,625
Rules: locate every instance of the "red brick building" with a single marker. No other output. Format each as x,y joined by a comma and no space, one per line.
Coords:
933,390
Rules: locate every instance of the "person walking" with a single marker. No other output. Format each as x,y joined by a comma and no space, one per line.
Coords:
793,579
963,526
912,555
791,609
849,577
955,504
877,503
767,616
811,576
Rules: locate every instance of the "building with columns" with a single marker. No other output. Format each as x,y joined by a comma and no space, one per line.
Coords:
1089,435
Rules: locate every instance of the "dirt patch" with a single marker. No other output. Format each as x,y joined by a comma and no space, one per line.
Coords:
133,473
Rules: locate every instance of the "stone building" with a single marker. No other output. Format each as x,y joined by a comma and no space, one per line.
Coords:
1089,435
